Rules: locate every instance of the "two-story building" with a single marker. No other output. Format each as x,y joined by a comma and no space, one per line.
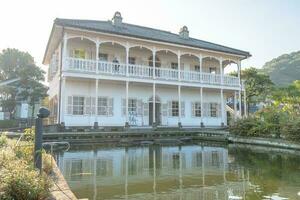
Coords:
111,73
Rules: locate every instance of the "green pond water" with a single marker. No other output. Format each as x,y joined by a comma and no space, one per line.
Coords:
192,171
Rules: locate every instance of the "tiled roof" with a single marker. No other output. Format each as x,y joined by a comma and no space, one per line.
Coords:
146,33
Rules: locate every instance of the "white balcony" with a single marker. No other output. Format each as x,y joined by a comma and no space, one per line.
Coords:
141,71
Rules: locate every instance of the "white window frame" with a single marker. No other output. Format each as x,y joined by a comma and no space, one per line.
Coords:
173,109
76,108
107,109
196,109
213,110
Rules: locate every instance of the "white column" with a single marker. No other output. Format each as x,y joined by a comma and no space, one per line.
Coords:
65,51
235,105
245,103
127,59
97,55
221,70
201,104
179,103
96,83
178,56
153,105
240,83
222,107
62,99
200,66
153,61
127,88
96,100
239,71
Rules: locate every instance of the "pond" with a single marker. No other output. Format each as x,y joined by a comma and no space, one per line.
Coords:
191,171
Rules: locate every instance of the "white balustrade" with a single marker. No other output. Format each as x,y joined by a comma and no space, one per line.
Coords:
141,71
166,74
190,76
112,68
79,64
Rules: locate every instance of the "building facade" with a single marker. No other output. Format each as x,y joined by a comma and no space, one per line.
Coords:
110,73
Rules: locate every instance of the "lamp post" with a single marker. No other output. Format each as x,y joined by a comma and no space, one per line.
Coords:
38,139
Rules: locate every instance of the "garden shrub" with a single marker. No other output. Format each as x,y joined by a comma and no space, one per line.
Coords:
269,122
19,180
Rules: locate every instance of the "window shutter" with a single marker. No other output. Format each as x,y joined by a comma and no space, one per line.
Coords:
165,109
123,107
146,109
182,109
87,105
140,107
70,105
170,108
193,109
110,107
206,110
93,105
219,110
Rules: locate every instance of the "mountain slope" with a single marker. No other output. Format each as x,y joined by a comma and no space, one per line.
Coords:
284,69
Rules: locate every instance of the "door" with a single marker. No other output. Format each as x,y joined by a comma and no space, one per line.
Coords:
157,113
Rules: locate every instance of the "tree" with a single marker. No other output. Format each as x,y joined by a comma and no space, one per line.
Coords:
258,85
288,98
18,64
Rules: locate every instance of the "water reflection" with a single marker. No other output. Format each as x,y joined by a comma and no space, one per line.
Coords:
173,172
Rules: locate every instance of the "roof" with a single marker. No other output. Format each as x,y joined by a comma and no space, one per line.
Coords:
146,33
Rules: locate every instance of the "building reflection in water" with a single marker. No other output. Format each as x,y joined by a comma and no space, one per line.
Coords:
153,172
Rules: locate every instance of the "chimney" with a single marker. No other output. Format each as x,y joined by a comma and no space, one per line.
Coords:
184,32
117,19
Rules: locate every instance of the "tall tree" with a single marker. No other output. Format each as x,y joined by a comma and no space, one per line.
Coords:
288,98
258,85
18,64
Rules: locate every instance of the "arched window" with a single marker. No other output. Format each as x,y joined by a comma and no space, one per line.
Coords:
157,61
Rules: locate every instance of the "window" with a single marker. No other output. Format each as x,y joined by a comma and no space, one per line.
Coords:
197,68
196,107
175,108
103,57
132,105
79,53
212,70
157,61
213,109
131,60
78,105
174,65
105,106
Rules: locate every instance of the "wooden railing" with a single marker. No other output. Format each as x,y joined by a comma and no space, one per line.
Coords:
141,71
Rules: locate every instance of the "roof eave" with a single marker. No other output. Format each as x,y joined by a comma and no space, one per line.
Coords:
245,54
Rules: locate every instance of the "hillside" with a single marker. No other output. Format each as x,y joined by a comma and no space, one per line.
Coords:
284,69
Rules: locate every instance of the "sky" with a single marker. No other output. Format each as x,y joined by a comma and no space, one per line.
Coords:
265,28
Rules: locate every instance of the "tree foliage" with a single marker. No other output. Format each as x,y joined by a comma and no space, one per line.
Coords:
18,64
284,69
258,85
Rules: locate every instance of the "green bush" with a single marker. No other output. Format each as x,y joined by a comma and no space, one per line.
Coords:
18,178
269,122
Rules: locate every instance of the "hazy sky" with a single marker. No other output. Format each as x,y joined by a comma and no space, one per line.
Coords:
266,28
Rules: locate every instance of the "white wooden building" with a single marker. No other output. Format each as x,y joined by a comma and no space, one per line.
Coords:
111,73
